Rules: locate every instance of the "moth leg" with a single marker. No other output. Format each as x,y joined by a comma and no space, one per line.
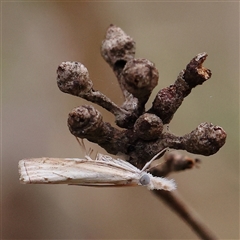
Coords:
86,152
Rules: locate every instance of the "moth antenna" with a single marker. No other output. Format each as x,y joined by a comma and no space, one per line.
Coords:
154,158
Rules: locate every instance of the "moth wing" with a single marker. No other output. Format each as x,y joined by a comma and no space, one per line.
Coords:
117,163
74,171
43,170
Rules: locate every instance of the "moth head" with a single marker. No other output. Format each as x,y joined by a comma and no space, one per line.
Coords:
144,179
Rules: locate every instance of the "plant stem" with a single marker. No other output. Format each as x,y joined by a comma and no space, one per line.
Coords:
176,203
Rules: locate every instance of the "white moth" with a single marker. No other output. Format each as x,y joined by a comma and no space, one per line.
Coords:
102,171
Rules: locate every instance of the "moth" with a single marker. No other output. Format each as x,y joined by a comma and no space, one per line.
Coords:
102,171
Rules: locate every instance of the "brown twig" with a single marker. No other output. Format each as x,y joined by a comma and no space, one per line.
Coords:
174,162
179,206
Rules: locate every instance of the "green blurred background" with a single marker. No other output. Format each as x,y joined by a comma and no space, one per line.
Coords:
37,37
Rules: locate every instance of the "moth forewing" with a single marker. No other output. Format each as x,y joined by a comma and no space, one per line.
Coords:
103,171
74,171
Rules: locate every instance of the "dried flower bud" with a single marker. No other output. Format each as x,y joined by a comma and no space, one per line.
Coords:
206,139
117,46
140,77
181,162
148,127
73,78
169,99
173,162
85,121
195,74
